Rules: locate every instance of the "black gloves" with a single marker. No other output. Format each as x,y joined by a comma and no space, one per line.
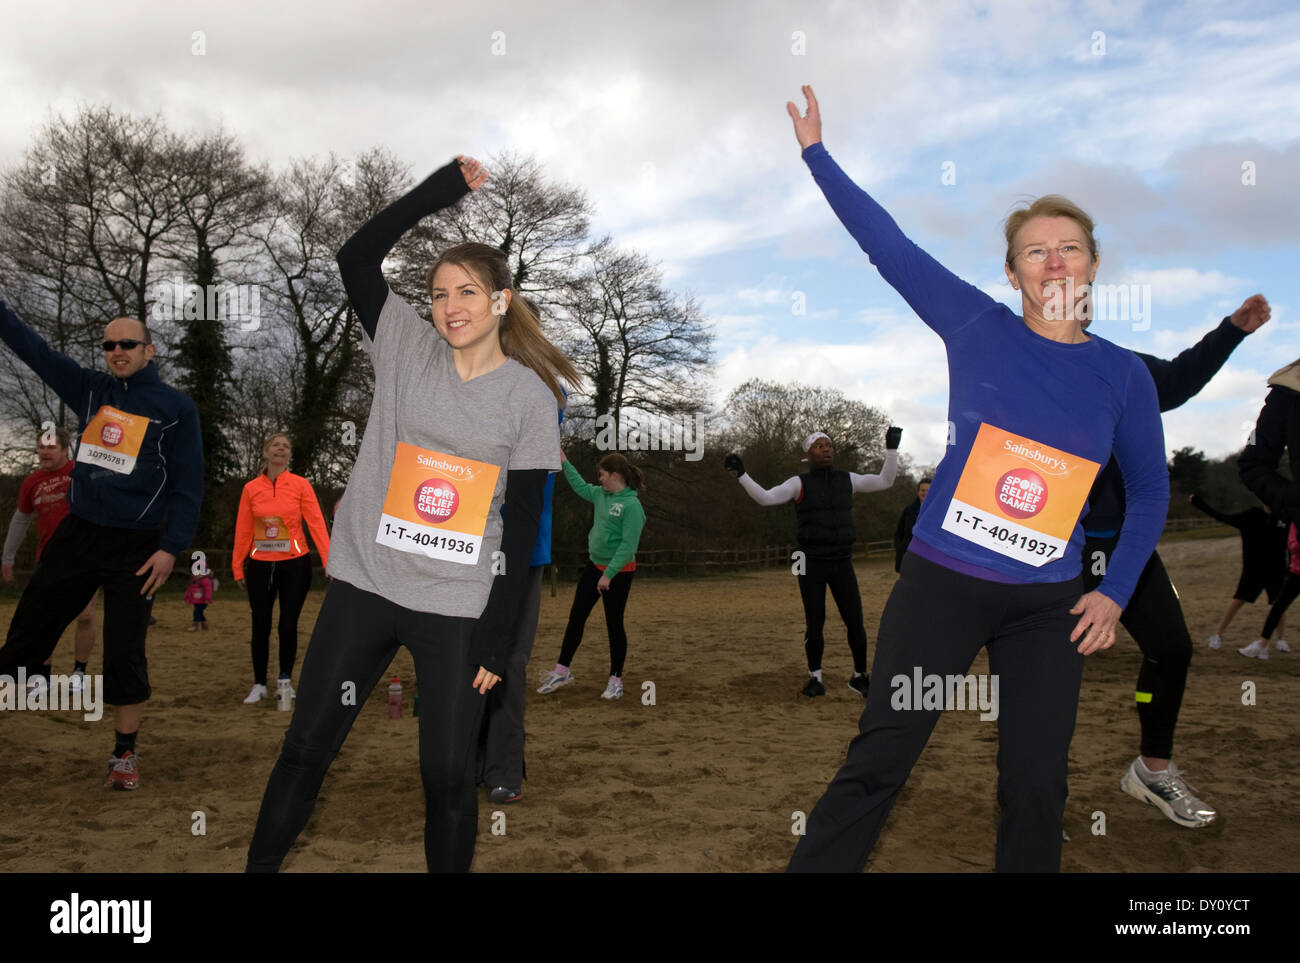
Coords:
892,437
734,465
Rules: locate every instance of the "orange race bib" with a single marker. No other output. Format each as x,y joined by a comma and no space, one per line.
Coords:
437,505
112,440
1019,498
270,534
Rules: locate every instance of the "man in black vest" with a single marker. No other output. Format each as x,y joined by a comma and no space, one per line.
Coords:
823,498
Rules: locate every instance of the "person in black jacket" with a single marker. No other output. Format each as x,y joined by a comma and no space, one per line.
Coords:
823,498
133,507
1153,616
1263,559
1276,430
903,533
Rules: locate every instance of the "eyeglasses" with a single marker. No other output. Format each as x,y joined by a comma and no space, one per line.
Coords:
126,344
1067,252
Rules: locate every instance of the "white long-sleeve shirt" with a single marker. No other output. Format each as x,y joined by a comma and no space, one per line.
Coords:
791,490
18,526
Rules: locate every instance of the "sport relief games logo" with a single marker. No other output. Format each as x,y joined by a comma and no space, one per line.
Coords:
436,500
1022,493
111,435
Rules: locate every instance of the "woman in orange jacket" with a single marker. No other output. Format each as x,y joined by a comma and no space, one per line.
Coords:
271,556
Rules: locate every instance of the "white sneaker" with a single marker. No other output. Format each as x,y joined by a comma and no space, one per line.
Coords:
614,690
1215,642
1281,645
1255,651
257,695
553,680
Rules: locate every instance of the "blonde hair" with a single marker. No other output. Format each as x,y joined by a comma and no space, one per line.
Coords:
267,444
1049,205
520,329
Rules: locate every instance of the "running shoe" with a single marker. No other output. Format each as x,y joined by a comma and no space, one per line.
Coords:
553,680
859,684
257,695
1215,642
1281,645
77,680
1168,791
813,688
503,794
123,773
194,627
35,685
614,690
1255,651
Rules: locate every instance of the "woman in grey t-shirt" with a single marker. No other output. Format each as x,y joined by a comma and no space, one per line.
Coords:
423,554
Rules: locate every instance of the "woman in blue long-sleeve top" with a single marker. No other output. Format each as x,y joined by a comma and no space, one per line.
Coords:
1036,407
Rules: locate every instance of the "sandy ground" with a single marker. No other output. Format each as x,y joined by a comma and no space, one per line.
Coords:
705,779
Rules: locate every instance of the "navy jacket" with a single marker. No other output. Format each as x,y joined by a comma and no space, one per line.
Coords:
166,484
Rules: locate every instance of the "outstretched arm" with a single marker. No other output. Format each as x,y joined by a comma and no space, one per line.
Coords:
877,483
1183,377
788,491
361,258
70,381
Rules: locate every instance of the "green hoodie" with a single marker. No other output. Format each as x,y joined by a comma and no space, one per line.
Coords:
617,528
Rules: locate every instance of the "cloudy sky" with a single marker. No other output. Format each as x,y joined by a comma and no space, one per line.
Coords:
1176,126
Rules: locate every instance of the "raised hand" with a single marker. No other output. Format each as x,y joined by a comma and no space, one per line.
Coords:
893,436
733,464
1252,314
475,174
808,128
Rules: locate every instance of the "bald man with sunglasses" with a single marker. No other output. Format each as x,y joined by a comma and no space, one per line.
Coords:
133,508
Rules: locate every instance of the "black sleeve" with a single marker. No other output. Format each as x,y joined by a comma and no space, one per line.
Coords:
1200,503
361,258
1184,376
1258,463
521,514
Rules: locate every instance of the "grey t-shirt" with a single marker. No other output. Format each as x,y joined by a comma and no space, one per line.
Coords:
453,436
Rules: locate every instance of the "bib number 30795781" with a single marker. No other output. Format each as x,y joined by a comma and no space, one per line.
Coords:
437,505
1019,498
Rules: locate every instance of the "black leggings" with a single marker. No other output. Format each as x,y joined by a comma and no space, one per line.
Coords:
290,580
1290,589
584,600
355,639
840,578
1155,620
935,622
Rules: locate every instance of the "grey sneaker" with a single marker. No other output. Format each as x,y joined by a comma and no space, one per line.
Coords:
553,680
1169,793
504,794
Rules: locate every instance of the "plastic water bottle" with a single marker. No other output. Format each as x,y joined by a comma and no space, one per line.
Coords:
395,698
283,695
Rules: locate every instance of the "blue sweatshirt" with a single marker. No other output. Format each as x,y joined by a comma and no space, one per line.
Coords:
167,478
1087,401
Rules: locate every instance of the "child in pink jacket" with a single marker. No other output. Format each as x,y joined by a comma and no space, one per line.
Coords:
199,595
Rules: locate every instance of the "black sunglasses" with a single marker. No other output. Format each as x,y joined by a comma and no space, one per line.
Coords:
127,344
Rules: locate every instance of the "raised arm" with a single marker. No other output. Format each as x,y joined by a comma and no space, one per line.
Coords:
876,483
361,258
942,300
1184,376
70,381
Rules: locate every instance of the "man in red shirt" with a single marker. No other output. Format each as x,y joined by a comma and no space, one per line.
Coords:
43,496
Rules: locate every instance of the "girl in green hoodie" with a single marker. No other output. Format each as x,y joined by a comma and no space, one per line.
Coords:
611,543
